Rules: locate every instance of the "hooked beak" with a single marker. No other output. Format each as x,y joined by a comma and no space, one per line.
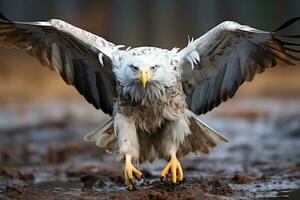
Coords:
144,77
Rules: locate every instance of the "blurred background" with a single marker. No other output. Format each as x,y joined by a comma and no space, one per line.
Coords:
42,120
140,23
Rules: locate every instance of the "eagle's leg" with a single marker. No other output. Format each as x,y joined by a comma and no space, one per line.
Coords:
130,173
128,147
173,135
175,168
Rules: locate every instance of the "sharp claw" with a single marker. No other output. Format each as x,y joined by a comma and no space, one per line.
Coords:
133,176
162,179
143,179
174,168
180,182
131,180
139,179
173,185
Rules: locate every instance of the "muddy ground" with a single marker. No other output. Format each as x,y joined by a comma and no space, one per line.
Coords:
43,156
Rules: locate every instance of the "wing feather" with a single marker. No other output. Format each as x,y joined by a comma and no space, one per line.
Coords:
71,51
231,54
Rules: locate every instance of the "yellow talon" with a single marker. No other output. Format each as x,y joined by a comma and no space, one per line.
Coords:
131,173
176,170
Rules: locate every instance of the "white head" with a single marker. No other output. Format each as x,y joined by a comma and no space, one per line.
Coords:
144,65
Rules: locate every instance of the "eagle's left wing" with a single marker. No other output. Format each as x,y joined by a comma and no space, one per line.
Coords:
216,64
83,59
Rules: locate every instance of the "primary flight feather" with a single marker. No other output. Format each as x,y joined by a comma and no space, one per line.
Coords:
154,95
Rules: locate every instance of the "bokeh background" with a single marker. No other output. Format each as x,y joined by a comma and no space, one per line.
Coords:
133,23
42,120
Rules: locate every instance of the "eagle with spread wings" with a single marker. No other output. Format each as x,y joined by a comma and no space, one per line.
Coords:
153,95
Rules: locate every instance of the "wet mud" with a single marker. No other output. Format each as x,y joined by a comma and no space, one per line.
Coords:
43,156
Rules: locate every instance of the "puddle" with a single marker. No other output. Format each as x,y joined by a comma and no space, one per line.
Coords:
287,195
59,185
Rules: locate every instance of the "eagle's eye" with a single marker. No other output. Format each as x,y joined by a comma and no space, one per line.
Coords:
134,68
153,68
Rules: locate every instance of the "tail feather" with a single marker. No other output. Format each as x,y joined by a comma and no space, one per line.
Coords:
210,131
104,136
93,136
202,138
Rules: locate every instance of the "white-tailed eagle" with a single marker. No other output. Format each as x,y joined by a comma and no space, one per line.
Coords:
154,95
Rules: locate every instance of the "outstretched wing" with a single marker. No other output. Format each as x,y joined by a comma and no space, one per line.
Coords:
216,64
82,59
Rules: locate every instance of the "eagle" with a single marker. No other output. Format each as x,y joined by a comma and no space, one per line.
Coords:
153,95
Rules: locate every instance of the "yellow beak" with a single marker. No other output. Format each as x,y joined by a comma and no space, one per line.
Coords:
144,77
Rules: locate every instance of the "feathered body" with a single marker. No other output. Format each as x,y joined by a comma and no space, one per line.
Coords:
152,114
158,105
159,112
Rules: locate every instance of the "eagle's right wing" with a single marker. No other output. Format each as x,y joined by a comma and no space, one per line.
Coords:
82,58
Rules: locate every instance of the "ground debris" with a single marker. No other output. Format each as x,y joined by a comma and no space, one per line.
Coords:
243,179
51,161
